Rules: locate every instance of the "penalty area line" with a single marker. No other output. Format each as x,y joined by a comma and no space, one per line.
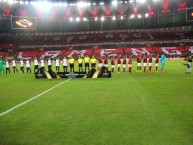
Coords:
23,103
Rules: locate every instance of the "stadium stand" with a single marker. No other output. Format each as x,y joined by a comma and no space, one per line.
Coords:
169,51
58,34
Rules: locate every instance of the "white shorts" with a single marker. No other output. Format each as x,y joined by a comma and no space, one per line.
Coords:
100,64
156,64
112,66
118,65
106,65
144,64
124,65
138,64
150,64
130,65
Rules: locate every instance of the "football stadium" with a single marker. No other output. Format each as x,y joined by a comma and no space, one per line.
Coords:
96,72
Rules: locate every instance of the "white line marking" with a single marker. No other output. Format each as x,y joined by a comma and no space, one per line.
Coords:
23,103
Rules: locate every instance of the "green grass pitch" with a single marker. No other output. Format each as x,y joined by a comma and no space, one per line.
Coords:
127,109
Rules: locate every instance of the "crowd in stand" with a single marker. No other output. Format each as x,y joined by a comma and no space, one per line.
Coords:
144,63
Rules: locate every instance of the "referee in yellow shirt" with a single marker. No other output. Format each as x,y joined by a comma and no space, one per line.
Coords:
71,62
80,62
86,61
93,62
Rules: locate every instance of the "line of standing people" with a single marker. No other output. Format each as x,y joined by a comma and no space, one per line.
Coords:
86,62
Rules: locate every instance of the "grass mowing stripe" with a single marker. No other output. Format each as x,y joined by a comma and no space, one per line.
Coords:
23,103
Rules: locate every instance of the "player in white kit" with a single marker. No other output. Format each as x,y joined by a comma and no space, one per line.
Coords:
65,64
14,65
49,64
36,65
42,63
57,64
22,66
28,66
7,67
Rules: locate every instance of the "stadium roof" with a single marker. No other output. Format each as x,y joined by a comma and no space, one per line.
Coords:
104,2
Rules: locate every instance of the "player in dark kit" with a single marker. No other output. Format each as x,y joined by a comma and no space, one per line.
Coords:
100,60
124,63
106,62
145,62
150,63
119,63
130,63
112,63
139,63
156,62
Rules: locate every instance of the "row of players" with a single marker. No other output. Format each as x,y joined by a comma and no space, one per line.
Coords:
146,59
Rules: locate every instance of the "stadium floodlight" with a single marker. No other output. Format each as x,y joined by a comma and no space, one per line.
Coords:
44,6
62,4
141,1
101,3
56,4
71,19
65,4
21,2
81,4
39,3
26,2
95,18
114,18
132,16
147,15
10,1
33,3
114,2
139,16
94,4
84,19
121,17
131,1
77,19
102,18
